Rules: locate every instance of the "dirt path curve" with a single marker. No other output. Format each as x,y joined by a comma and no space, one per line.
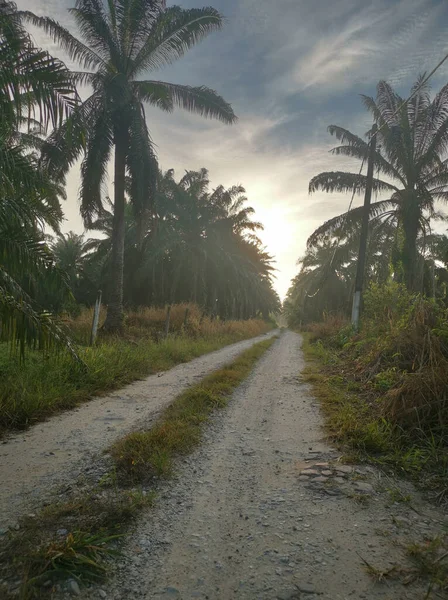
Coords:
243,520
54,453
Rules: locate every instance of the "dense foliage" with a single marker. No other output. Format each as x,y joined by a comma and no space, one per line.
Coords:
197,246
384,387
123,40
36,92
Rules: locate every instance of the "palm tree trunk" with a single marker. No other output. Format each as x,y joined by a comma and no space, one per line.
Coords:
411,220
115,315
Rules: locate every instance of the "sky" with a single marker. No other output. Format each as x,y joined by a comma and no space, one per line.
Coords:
289,68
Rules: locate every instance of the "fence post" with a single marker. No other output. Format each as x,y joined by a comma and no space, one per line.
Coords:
96,318
167,321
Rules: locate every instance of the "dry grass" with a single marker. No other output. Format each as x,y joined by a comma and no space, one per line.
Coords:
384,390
328,328
149,323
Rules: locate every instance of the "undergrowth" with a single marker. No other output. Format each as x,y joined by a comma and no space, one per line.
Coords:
47,383
74,538
384,389
67,539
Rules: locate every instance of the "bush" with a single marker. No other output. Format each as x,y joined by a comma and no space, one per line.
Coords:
398,366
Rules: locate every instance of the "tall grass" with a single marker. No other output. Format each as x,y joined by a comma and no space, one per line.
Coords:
46,383
149,322
385,388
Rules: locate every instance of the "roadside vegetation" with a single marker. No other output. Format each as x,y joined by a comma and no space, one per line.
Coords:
384,387
45,383
73,539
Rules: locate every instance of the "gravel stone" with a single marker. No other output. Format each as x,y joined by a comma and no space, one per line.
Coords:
73,587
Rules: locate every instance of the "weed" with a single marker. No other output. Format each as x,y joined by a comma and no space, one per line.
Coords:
397,495
430,562
379,575
69,539
354,411
361,499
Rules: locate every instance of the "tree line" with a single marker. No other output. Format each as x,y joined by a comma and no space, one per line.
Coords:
410,185
163,240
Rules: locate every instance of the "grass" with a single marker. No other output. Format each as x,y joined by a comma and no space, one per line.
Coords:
45,384
146,454
69,539
74,538
430,562
355,420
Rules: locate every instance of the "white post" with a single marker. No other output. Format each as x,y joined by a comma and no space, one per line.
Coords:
96,318
356,309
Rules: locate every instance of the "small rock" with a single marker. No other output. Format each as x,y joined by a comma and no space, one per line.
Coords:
402,521
73,587
339,480
102,594
320,479
344,469
362,486
172,591
327,473
310,472
306,588
62,532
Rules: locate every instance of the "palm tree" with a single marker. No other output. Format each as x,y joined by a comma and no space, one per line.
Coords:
198,246
122,40
36,91
70,252
412,159
328,269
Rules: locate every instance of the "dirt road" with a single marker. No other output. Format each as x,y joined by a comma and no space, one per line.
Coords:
54,454
264,510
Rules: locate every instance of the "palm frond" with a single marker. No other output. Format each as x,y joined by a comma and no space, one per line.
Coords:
200,100
77,51
94,166
339,181
174,32
346,223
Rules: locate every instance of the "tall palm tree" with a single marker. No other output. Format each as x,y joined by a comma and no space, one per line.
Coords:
123,40
412,160
36,91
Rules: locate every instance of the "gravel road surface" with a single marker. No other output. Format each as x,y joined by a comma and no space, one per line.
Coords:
54,453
